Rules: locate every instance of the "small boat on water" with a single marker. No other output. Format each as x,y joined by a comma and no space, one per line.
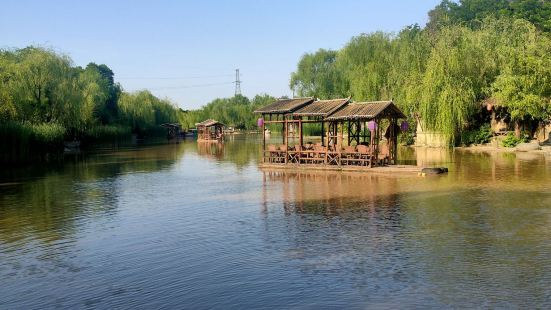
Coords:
71,146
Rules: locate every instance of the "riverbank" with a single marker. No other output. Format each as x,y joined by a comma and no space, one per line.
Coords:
22,143
543,149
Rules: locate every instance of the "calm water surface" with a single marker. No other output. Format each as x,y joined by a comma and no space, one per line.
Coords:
182,226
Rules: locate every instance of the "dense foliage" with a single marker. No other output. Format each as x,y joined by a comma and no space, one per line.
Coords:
470,12
476,136
442,74
45,99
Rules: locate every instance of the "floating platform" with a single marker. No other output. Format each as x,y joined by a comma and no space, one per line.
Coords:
391,169
388,170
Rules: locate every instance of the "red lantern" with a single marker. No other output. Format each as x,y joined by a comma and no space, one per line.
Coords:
260,122
404,126
372,125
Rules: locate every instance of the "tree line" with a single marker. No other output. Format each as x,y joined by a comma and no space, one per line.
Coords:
236,112
45,99
469,52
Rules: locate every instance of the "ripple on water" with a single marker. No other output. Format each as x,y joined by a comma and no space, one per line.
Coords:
179,227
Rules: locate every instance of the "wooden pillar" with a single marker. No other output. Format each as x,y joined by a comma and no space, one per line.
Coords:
300,132
284,131
326,144
358,131
263,140
377,138
348,123
339,140
322,133
285,139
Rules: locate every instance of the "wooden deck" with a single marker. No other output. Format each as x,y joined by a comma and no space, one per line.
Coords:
390,169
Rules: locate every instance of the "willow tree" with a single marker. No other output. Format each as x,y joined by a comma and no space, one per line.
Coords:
455,79
411,49
8,110
523,86
318,75
365,61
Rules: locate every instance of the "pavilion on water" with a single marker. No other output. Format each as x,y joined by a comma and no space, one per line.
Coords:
210,131
371,130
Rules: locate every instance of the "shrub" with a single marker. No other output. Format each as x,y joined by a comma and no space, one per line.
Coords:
48,134
406,138
477,136
511,140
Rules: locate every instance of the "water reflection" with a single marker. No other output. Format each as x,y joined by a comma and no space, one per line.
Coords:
452,244
201,226
45,203
240,150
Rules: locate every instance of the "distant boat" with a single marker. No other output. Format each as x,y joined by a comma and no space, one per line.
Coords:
71,146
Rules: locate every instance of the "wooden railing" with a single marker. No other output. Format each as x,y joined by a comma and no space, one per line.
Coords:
360,155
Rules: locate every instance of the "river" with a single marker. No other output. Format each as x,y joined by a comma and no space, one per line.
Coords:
188,227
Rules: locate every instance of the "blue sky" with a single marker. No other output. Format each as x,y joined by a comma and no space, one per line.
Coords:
188,50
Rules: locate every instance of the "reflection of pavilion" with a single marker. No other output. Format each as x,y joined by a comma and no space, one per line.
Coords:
211,150
329,192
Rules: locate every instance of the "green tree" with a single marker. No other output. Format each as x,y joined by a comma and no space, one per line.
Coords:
318,75
523,85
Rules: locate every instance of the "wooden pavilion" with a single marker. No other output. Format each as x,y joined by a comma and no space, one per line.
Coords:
363,123
210,131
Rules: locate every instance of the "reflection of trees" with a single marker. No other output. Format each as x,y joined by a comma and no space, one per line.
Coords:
482,247
526,170
453,239
45,203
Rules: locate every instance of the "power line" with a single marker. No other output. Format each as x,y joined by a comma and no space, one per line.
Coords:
191,86
175,78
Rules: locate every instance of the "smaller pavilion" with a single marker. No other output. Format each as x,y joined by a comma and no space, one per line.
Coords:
210,131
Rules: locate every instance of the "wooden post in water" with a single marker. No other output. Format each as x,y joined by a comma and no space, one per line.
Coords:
263,140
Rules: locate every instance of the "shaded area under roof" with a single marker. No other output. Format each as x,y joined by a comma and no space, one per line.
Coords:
321,107
283,106
366,110
208,123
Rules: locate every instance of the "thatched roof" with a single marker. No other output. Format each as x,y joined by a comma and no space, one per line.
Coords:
321,107
367,110
208,123
284,106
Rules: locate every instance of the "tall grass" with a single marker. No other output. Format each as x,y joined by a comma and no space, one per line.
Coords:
107,133
20,142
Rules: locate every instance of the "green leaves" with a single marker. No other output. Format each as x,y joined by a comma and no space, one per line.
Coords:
40,86
522,86
236,111
318,75
444,72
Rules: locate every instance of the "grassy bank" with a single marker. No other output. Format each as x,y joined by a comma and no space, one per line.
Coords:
22,141
25,142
